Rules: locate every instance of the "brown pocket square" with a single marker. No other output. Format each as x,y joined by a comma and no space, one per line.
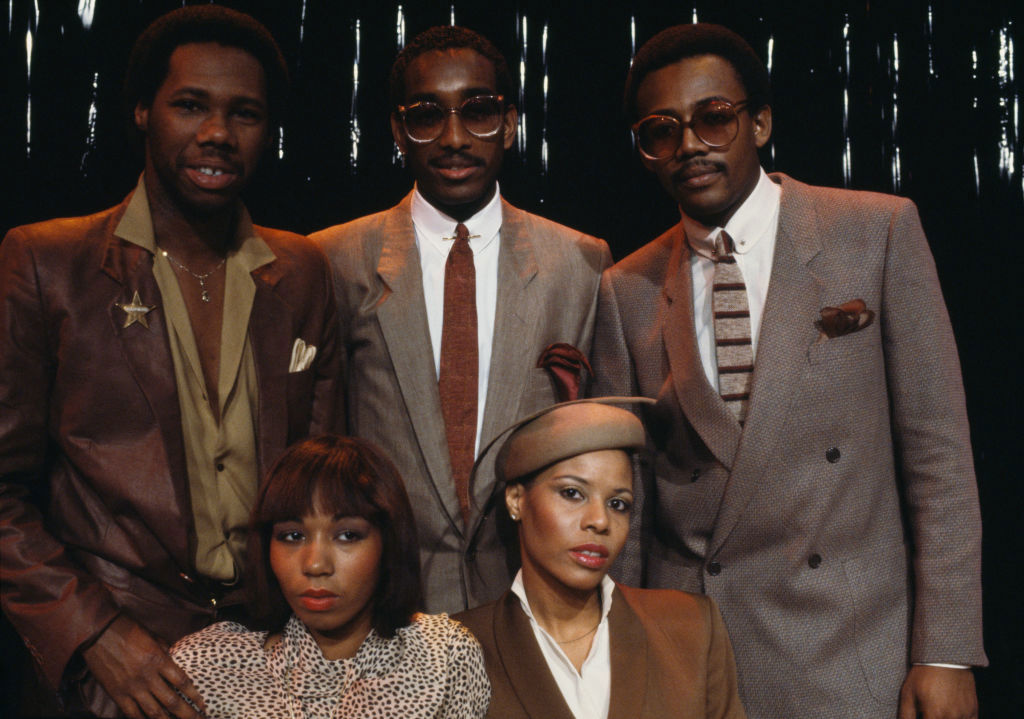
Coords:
846,318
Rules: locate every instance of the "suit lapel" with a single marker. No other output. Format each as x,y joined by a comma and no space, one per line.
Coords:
628,659
148,355
794,294
524,665
703,406
402,316
270,334
515,320
517,316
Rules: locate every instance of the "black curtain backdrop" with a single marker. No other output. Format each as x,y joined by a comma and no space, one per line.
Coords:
916,98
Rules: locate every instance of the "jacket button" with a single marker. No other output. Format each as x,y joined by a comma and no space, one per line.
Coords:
814,561
714,569
220,466
832,454
695,475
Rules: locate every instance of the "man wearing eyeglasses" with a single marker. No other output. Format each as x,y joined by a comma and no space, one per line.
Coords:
812,468
448,300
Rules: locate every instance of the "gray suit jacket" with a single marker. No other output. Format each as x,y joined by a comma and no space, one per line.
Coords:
548,278
838,530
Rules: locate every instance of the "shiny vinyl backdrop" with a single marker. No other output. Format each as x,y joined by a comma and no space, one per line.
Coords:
917,98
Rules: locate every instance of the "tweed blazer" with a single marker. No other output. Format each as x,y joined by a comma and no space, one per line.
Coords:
548,278
670,659
838,529
95,511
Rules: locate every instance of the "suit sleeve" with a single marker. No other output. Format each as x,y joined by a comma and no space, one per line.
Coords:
933,451
613,367
723,698
52,604
328,413
614,376
585,341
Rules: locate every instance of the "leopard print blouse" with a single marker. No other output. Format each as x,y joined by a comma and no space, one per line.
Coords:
431,669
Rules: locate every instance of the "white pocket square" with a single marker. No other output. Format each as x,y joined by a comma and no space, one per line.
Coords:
302,356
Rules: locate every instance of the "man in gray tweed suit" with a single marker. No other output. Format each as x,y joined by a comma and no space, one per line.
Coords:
812,466
536,285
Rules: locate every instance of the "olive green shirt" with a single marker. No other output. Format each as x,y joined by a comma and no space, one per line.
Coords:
220,456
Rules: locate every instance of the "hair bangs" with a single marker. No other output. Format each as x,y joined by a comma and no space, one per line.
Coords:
335,484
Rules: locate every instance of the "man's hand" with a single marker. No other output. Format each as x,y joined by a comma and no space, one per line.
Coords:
139,675
938,693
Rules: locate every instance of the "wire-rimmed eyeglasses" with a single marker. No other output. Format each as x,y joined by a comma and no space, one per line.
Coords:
714,122
481,115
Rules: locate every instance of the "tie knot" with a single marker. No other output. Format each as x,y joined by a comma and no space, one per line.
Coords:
724,246
461,232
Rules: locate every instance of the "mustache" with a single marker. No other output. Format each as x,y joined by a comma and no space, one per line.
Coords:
696,167
461,158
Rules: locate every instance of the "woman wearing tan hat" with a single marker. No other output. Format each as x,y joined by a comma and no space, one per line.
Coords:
566,642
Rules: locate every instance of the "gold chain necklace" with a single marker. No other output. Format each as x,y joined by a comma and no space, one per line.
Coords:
588,633
205,296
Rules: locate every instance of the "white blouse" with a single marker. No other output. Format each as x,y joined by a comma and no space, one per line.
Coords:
588,691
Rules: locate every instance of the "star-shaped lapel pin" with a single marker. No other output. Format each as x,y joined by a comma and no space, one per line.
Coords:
135,311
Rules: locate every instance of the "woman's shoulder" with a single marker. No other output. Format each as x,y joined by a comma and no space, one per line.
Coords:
479,619
440,628
669,606
219,645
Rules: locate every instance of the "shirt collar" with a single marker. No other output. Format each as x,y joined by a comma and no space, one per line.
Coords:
439,229
136,226
607,588
755,219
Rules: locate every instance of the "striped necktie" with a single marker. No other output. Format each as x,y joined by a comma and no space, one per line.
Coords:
735,356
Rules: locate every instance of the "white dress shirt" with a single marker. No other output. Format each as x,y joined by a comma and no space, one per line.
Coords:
753,229
435,237
588,691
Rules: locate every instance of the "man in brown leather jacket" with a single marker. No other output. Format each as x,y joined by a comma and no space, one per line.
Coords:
154,359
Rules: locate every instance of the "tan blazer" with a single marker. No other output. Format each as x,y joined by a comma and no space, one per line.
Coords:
670,659
89,418
548,278
838,530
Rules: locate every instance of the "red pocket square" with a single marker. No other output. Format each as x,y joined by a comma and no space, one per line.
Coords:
844,319
566,365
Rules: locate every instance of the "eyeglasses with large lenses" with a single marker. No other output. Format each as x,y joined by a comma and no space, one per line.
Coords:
715,123
481,115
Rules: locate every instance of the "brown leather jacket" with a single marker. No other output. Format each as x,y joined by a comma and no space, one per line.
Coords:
95,514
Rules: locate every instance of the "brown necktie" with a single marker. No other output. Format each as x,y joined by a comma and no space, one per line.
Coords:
458,379
731,313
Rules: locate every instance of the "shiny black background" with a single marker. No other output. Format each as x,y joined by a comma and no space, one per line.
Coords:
932,111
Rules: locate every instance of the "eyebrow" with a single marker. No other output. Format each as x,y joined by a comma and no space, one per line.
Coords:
588,483
187,90
205,94
466,94
673,112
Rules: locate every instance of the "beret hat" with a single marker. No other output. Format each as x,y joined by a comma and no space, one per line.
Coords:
566,430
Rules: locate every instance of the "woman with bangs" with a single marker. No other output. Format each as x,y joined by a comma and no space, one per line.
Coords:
333,569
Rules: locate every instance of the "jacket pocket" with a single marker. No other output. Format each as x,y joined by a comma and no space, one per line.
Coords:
840,349
881,611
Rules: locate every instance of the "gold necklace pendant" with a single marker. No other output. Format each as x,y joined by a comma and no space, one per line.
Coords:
204,293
